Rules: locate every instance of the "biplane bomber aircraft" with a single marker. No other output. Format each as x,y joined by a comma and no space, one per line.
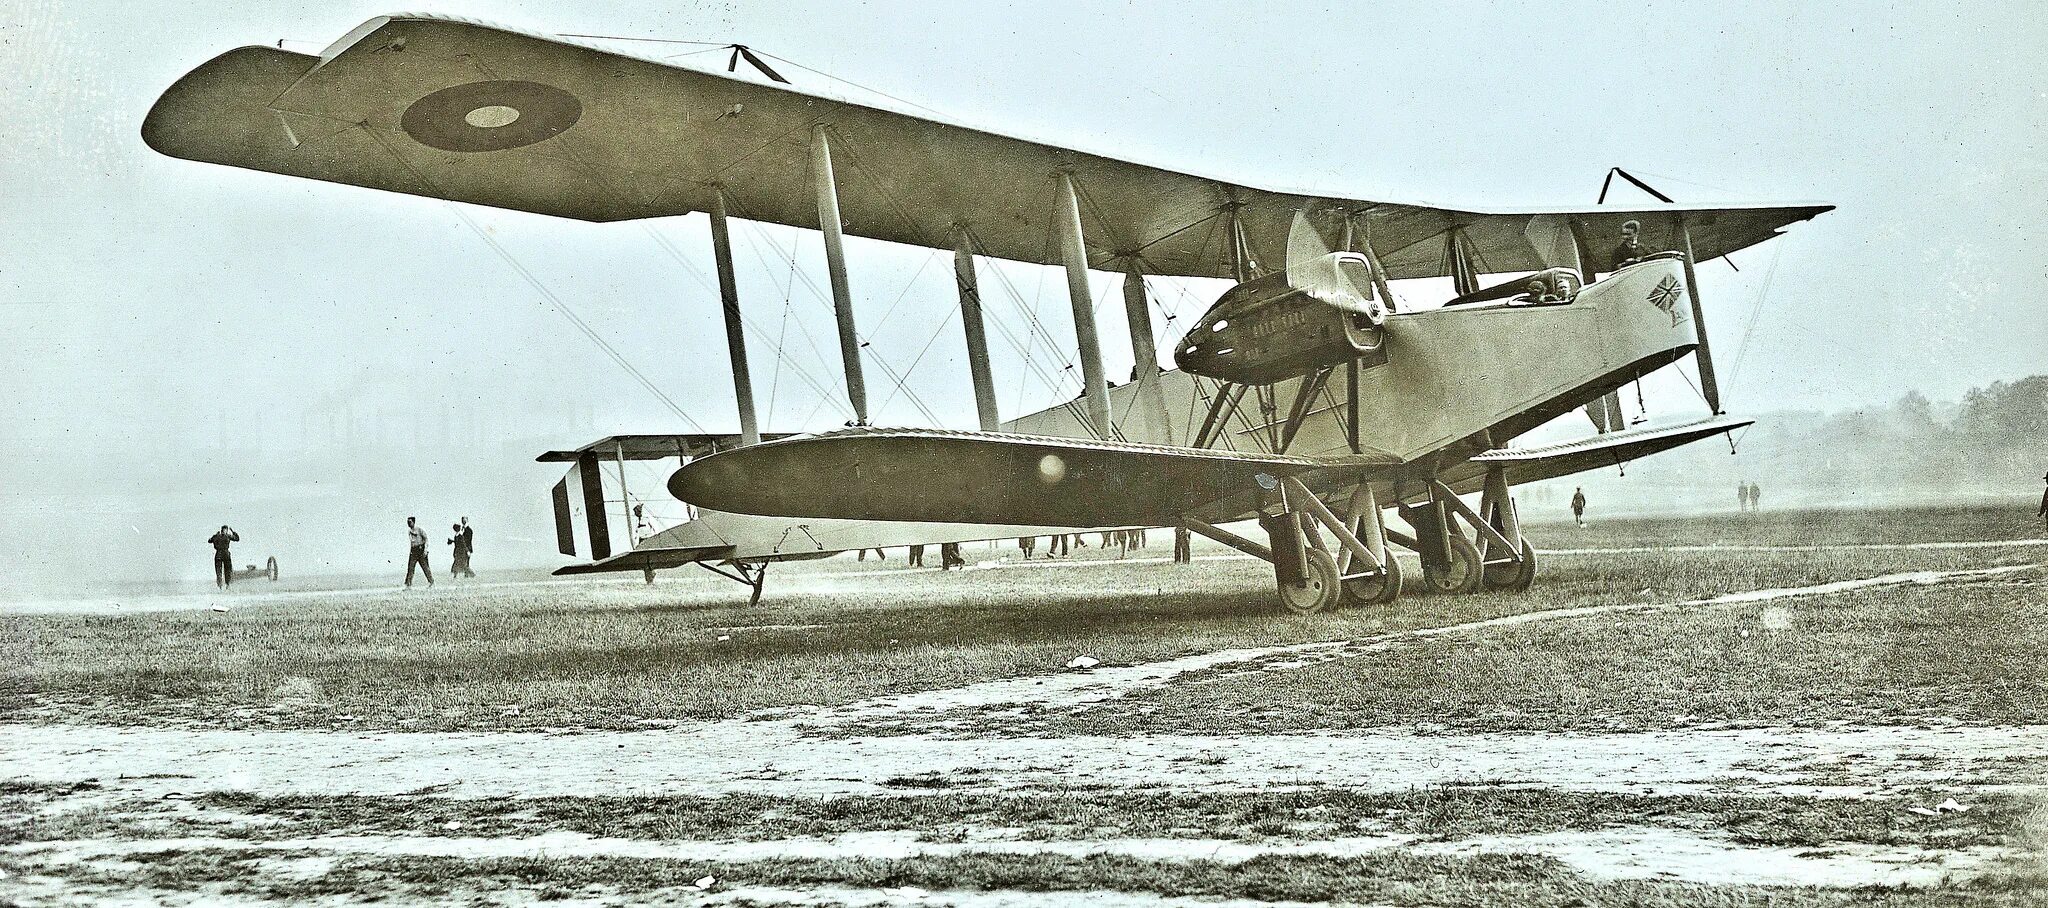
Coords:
1309,397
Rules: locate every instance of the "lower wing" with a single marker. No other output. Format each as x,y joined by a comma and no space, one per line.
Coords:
982,477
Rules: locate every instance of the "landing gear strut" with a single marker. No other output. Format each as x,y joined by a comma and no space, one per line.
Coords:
753,575
1497,556
1358,566
1310,576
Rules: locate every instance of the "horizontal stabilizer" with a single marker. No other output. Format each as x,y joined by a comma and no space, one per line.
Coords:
990,478
657,558
1612,449
653,447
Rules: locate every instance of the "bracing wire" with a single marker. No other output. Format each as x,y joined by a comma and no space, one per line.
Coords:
836,390
847,82
574,319
879,361
912,368
1763,298
534,281
781,354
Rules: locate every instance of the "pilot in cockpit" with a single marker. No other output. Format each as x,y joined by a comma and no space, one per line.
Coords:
1631,250
1546,289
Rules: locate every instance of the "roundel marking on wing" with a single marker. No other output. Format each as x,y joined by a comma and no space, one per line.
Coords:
491,116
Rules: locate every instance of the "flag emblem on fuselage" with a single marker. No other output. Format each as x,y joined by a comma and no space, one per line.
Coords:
1665,296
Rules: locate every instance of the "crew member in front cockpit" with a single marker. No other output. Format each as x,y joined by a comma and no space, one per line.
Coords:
1631,250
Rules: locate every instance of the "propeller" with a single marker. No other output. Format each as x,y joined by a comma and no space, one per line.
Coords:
1341,279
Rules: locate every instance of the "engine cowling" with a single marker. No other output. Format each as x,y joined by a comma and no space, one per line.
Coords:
1268,330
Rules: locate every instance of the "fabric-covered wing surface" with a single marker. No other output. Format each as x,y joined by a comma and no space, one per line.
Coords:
452,109
1590,453
978,477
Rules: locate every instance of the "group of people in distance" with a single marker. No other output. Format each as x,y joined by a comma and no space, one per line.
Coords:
463,541
1066,543
1062,544
1747,495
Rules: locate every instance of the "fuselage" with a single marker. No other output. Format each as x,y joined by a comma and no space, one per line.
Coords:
1448,378
1447,384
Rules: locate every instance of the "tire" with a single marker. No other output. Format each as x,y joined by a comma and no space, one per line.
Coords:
1320,589
1465,573
1512,577
271,568
1381,590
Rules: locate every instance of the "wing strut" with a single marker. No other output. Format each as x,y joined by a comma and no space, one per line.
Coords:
1710,387
1151,399
735,332
977,336
1075,253
835,264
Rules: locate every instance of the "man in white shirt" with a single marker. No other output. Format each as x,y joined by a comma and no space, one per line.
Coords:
418,555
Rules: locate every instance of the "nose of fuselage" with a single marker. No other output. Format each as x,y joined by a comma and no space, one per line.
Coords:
1208,346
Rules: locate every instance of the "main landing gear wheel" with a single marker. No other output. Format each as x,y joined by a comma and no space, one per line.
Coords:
270,568
1380,589
1320,585
1465,572
1510,576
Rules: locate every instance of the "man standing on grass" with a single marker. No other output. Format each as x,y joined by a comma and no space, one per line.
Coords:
224,564
418,554
2043,515
1027,545
1183,539
468,547
459,560
1579,506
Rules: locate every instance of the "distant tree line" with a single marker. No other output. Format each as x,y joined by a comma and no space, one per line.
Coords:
1992,442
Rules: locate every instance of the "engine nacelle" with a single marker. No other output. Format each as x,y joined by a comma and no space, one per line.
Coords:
1267,330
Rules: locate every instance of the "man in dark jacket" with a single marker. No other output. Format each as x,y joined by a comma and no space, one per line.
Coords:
458,564
223,563
1630,249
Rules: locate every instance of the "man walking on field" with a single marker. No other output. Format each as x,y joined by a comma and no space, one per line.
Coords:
418,554
1579,506
224,564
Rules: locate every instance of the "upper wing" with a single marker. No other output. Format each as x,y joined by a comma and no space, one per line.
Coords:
980,477
457,110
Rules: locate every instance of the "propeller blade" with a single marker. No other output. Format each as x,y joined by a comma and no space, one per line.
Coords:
1322,274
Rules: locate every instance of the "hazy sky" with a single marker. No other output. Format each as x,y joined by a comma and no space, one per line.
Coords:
167,320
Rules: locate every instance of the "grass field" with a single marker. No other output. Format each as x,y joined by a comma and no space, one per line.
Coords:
918,729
